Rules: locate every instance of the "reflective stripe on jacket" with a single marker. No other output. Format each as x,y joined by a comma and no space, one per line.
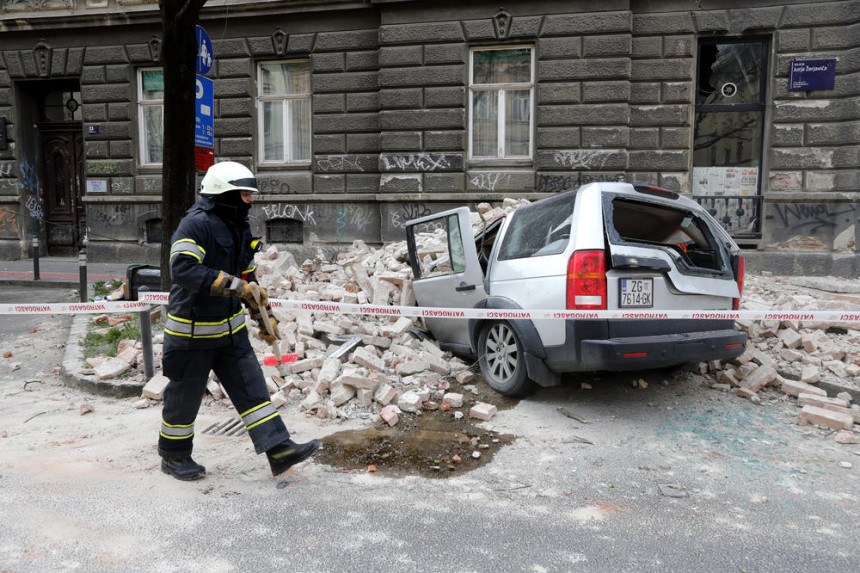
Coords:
202,246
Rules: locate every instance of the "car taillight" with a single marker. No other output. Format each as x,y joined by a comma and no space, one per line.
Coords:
586,281
739,277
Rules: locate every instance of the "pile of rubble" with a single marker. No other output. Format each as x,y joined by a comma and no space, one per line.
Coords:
803,359
340,365
129,353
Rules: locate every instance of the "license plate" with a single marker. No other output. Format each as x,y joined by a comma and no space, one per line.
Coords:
636,293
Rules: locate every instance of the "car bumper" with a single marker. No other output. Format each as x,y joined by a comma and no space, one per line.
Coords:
620,353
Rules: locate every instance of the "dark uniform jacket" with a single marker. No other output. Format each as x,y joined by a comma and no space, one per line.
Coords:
203,245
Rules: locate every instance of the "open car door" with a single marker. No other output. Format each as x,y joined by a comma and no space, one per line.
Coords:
447,272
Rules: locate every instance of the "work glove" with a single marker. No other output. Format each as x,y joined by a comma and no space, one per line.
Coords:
227,285
263,334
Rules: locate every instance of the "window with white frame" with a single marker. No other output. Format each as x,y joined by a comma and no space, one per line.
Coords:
150,98
501,103
284,100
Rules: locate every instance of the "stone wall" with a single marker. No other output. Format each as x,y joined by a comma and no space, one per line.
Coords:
613,100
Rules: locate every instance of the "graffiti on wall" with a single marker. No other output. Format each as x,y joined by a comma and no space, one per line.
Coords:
286,211
489,181
547,182
354,218
34,207
339,163
581,159
424,162
8,221
274,186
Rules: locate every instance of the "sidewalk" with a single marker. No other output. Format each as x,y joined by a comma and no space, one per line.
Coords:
58,271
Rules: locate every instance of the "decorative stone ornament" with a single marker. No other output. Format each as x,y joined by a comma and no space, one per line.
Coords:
502,24
155,48
42,53
279,41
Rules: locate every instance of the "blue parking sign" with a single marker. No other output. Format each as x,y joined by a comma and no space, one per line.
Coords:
205,57
204,124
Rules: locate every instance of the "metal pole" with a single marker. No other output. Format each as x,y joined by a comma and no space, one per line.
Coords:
35,258
82,259
146,339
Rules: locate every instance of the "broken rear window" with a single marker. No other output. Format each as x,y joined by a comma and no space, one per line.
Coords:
686,235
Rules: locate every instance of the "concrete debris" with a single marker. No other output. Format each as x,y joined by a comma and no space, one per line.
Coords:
822,417
111,367
354,365
804,359
482,411
154,389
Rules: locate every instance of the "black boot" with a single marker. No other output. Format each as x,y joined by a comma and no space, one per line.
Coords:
284,456
184,469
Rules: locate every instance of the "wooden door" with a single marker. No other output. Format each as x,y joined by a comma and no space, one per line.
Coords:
62,173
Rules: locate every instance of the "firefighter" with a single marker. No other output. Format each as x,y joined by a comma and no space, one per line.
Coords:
212,269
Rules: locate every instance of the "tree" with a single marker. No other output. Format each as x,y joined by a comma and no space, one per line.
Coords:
178,21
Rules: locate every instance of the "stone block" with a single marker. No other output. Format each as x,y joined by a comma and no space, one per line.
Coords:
795,388
357,381
364,396
437,363
305,365
453,400
391,414
278,399
364,357
111,367
342,393
810,374
214,389
311,401
822,417
834,404
791,338
410,402
328,371
384,394
412,367
759,378
791,355
155,387
464,376
482,411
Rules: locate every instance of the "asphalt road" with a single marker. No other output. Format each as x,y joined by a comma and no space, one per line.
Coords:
673,477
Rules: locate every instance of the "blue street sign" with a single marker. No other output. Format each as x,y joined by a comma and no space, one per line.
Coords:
808,75
205,56
204,124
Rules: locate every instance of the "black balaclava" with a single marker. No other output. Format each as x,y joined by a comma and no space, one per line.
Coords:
231,208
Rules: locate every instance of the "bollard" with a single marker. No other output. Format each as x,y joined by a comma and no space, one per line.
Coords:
82,259
146,340
35,258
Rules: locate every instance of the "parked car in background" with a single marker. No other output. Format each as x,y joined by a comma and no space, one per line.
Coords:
602,246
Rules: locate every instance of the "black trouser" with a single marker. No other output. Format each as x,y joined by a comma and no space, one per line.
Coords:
239,372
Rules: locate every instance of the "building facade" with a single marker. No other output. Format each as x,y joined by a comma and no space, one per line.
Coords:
359,115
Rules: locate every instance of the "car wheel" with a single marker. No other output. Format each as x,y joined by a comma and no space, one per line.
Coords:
503,361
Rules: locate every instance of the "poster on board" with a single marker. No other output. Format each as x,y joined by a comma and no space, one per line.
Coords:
718,181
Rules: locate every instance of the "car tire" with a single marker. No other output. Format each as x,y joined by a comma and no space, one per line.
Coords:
502,359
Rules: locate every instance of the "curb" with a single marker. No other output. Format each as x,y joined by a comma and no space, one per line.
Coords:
40,283
72,371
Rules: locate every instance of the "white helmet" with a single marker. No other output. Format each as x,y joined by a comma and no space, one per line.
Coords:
228,176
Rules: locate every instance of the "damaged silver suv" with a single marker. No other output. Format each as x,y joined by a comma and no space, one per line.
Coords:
603,246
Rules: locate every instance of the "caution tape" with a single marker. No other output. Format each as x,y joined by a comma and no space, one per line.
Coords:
149,298
76,307
514,314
